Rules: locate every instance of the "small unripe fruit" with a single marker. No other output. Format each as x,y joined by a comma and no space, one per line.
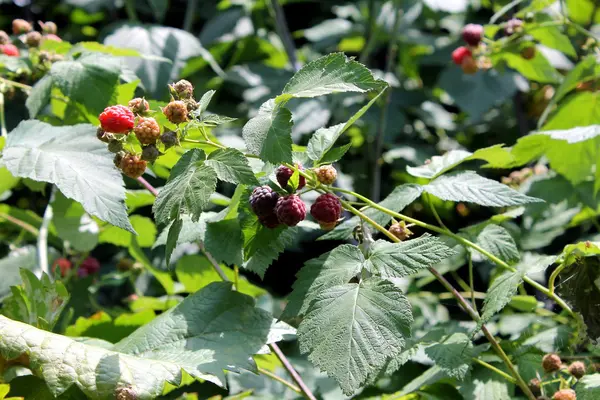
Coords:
33,39
52,37
150,153
327,209
115,146
577,369
326,174
469,65
20,26
132,166
290,210
400,230
118,158
183,89
191,104
472,34
551,363
48,27
459,54
169,139
528,52
103,136
535,386
565,394
4,38
139,105
283,175
147,130
176,112
514,25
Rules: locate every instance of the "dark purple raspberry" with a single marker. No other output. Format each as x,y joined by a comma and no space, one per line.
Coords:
290,210
472,34
326,210
263,201
283,175
270,221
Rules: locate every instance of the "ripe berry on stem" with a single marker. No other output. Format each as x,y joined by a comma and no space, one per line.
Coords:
283,175
10,50
472,34
565,394
117,119
290,210
21,26
551,363
460,53
327,209
63,264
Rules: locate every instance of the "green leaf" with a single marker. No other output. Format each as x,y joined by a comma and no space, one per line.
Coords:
486,385
269,133
588,387
550,36
334,73
469,187
7,181
499,294
72,158
172,237
102,326
352,330
536,69
397,260
580,109
73,224
334,154
453,355
36,302
212,330
265,246
574,135
400,197
39,96
231,166
188,189
12,265
205,101
120,237
499,242
225,241
332,268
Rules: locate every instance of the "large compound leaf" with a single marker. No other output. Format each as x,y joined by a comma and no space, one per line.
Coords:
397,260
588,387
469,187
499,294
486,385
498,241
188,190
231,166
332,268
334,73
352,330
72,158
269,133
453,355
211,330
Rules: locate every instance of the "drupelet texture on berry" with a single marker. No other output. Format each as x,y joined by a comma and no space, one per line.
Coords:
283,175
326,174
147,130
290,210
327,209
183,89
63,265
460,54
263,201
270,221
472,34
176,112
565,394
139,105
133,166
551,362
9,50
117,119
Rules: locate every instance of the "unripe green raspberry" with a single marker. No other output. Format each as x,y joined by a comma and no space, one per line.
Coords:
150,153
33,39
103,136
326,174
183,89
139,105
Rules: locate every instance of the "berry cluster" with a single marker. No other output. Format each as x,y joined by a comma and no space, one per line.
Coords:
117,122
273,210
24,33
64,266
517,178
551,365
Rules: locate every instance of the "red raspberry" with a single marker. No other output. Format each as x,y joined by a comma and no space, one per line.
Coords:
551,362
565,394
176,112
139,105
133,166
89,266
48,27
4,38
52,37
147,130
459,55
514,25
263,201
326,174
183,89
283,175
270,221
326,210
64,266
33,39
20,26
577,369
117,119
290,210
10,50
472,34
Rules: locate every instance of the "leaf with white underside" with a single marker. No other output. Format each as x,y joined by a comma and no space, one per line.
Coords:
334,73
588,387
453,355
574,135
397,260
269,133
469,187
332,268
352,330
211,330
231,166
188,190
72,158
439,164
498,241
499,294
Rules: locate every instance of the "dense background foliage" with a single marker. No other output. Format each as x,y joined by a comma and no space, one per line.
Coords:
247,51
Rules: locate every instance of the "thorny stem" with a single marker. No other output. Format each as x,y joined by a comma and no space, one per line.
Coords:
280,380
273,346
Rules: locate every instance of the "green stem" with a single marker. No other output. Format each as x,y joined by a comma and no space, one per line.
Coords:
206,142
554,275
19,85
21,224
471,280
3,131
496,370
189,15
236,277
434,211
280,380
130,9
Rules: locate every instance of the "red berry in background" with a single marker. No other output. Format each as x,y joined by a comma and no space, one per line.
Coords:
290,210
10,50
117,119
133,166
63,265
565,394
283,175
52,37
472,34
459,55
21,26
577,369
263,201
327,209
89,266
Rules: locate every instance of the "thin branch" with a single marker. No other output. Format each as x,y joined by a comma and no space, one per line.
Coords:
42,241
148,186
3,131
496,370
280,380
371,33
283,31
189,15
21,224
471,280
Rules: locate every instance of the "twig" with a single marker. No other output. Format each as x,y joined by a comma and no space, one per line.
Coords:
280,380
284,33
42,242
371,33
496,370
471,280
148,186
190,10
21,224
3,131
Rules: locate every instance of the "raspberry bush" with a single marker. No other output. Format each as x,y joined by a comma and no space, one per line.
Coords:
446,154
